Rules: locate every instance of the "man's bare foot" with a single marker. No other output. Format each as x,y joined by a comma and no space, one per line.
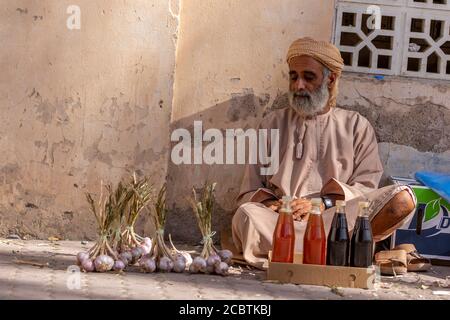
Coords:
386,221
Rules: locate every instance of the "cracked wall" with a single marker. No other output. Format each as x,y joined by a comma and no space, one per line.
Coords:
411,118
80,106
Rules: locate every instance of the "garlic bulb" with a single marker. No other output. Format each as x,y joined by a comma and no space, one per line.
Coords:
179,265
165,264
225,255
88,265
81,256
147,264
119,265
103,263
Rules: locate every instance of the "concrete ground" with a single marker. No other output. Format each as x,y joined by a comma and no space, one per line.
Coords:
35,269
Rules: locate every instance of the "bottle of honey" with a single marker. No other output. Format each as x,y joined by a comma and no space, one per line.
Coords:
284,234
315,240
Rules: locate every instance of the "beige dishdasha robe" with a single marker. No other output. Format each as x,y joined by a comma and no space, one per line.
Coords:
332,153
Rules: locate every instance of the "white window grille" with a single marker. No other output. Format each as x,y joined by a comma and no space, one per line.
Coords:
411,39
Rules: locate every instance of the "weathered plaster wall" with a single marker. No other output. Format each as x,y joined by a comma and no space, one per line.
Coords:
231,67
77,106
411,119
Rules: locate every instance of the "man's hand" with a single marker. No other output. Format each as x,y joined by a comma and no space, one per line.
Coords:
301,209
272,204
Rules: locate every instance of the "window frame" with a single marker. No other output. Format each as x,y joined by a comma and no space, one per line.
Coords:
403,11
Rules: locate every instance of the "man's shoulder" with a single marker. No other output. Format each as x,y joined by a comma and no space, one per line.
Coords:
351,116
345,113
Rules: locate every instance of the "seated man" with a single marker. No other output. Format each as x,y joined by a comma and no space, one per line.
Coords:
324,151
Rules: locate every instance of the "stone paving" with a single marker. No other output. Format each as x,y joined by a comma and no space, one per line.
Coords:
35,269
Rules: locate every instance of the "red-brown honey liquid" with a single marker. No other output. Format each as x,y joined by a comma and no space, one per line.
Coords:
314,241
284,239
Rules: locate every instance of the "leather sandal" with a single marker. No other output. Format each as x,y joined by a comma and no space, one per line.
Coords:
415,262
392,262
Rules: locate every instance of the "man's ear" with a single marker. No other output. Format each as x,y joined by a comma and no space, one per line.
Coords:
331,80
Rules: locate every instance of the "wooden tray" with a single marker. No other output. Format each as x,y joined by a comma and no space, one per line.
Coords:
299,273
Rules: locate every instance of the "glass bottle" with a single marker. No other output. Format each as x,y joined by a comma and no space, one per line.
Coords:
338,238
361,251
315,241
283,243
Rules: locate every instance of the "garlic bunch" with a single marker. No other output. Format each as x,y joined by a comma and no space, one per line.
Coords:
210,260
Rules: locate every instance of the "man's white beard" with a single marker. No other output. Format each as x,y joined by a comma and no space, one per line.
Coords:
309,104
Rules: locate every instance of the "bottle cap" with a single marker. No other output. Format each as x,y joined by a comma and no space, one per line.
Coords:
286,204
363,204
316,202
340,203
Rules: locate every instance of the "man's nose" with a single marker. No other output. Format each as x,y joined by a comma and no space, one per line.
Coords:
300,84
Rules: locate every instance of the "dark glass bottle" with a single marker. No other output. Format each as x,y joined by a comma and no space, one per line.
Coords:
361,251
338,239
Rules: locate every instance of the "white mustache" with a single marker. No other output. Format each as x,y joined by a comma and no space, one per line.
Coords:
302,94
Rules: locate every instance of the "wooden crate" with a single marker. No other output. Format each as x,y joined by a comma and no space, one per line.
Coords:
299,273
